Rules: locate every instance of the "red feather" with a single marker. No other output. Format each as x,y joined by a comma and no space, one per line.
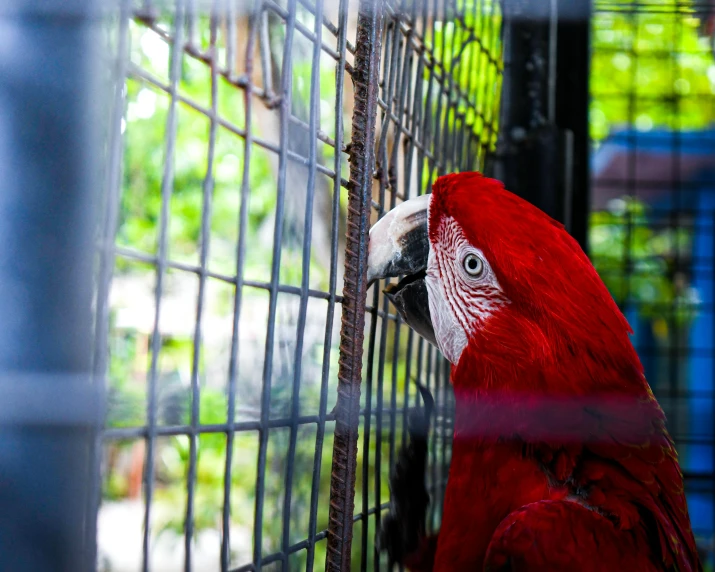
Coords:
561,460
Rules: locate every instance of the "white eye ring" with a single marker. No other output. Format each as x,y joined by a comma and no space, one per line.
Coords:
473,265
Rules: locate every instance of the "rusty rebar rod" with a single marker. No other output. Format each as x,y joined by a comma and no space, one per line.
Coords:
362,161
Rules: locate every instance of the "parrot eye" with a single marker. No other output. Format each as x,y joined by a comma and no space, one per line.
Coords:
473,265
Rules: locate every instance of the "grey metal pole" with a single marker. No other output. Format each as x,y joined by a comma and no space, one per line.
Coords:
49,153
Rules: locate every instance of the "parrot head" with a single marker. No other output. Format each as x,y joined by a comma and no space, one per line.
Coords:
498,285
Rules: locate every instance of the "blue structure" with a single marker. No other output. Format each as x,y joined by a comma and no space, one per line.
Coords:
674,172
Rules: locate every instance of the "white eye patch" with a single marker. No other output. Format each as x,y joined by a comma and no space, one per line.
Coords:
463,289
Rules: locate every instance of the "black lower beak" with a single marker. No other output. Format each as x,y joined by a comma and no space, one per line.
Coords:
409,296
399,246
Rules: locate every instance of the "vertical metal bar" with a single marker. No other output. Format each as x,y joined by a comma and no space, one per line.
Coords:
411,337
429,118
553,41
285,113
472,129
342,485
528,160
229,14
254,20
167,184
422,130
420,106
327,343
265,54
382,356
386,83
447,89
191,24
433,356
631,183
106,263
50,165
313,125
365,510
393,388
369,377
675,354
451,110
399,80
408,150
421,345
441,92
380,168
475,71
572,105
712,396
113,193
415,110
208,186
386,181
490,107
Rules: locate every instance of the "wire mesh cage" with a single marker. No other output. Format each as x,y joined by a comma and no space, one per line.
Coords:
651,229
256,388
223,257
438,101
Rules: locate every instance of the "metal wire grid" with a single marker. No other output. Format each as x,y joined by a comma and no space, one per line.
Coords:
234,70
237,59
669,355
438,97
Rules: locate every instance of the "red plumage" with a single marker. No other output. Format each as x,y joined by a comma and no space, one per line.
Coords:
560,451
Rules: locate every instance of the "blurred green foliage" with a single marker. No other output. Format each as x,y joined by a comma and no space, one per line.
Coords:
649,70
637,263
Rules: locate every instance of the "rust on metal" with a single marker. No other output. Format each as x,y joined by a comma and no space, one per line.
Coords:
347,409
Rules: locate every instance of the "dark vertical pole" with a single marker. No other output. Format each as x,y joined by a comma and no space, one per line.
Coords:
527,148
542,153
573,68
362,165
48,412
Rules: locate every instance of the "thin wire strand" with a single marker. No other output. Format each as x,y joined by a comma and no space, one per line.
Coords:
156,339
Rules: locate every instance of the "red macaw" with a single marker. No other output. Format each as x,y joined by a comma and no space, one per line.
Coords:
561,460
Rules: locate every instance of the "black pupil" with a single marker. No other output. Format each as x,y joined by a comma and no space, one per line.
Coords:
472,263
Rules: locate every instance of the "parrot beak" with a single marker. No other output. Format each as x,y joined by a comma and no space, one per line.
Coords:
399,246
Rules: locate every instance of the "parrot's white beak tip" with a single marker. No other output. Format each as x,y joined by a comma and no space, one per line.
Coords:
398,241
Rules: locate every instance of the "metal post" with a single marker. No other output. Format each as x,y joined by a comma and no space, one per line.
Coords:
527,151
572,102
362,164
48,167
543,146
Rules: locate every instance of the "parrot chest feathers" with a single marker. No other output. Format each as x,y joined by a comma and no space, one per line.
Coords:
620,465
